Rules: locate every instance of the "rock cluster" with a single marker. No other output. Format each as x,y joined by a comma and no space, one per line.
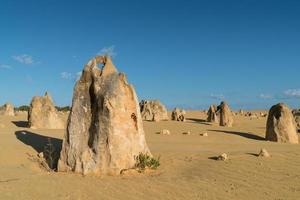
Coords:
105,131
178,115
220,114
43,114
165,132
281,125
153,111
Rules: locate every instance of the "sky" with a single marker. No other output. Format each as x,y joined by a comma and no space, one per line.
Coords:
185,53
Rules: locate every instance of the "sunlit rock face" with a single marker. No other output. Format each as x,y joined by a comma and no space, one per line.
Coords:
105,130
226,118
281,126
43,114
212,114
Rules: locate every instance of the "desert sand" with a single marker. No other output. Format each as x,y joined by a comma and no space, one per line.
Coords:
188,168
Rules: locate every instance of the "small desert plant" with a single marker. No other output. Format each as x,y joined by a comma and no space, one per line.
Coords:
144,161
50,155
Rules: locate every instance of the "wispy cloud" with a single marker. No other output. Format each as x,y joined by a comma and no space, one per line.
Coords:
66,75
3,66
292,93
217,96
110,51
70,76
265,96
24,59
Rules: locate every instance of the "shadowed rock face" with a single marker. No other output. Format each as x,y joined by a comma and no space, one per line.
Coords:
43,114
153,111
226,118
7,110
212,115
105,130
281,125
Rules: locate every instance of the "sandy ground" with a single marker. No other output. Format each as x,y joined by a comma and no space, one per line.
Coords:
188,168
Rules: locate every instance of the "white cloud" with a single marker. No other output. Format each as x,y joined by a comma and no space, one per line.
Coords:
292,92
24,59
265,96
217,96
3,66
66,75
110,51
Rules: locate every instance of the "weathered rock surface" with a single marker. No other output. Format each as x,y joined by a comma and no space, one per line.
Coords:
105,130
212,114
43,114
226,118
296,114
153,110
281,125
178,115
7,110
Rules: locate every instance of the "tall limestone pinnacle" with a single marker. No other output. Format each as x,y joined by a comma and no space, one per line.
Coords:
105,130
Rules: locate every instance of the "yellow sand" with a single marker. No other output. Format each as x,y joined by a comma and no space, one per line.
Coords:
188,168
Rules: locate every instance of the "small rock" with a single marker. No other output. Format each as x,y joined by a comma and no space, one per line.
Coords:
187,133
223,157
41,155
204,134
165,132
264,153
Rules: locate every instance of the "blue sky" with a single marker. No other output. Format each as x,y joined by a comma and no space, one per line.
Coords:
186,53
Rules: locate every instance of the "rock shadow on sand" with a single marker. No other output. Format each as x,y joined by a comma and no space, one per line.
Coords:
242,134
36,141
21,124
200,121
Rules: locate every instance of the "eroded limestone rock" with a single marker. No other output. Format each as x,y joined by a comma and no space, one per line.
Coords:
212,114
178,115
281,125
226,118
105,130
7,110
43,114
153,110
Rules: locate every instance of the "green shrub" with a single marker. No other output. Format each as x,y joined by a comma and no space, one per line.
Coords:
64,109
22,108
144,161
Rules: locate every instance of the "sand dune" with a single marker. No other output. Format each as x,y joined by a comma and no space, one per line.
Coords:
188,166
